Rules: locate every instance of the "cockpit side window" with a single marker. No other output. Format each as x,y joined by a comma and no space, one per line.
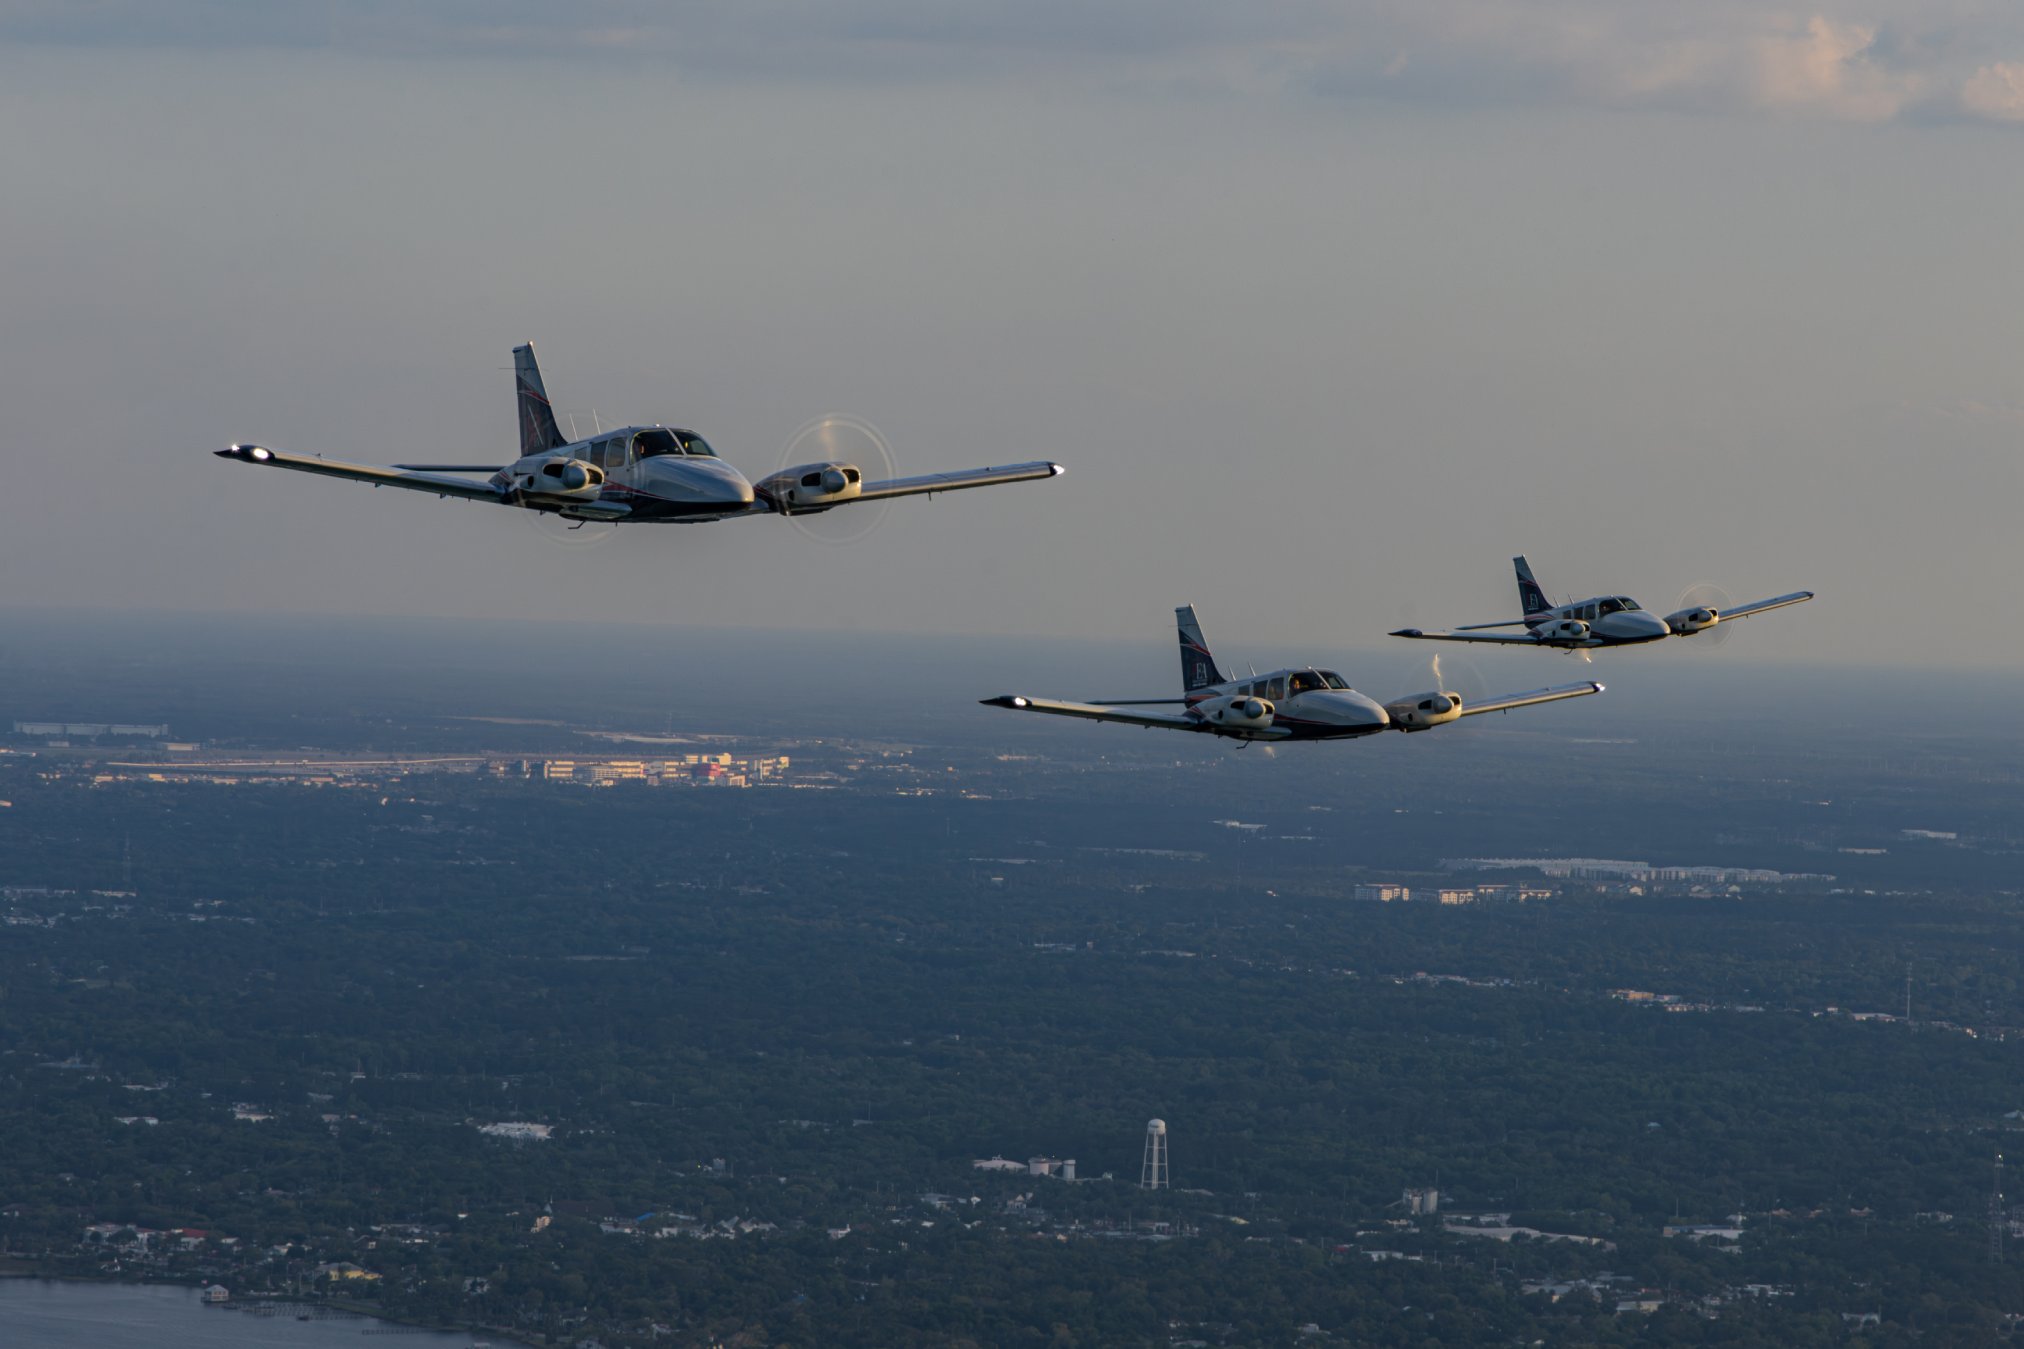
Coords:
1607,607
1305,681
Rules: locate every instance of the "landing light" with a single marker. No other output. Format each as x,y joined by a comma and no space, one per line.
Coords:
258,455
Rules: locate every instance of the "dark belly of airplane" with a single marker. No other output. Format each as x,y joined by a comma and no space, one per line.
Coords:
645,506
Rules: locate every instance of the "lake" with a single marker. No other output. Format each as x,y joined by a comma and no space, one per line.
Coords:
51,1314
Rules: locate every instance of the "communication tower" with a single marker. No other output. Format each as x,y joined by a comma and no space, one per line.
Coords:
1997,1217
1153,1171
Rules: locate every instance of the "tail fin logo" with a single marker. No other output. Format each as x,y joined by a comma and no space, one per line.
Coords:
1198,667
1529,594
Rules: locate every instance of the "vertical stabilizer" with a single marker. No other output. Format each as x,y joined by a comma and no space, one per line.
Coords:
1198,667
1530,596
538,431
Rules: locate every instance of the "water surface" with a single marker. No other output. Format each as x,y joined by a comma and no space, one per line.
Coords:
53,1314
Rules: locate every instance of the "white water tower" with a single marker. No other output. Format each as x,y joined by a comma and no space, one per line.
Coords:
1153,1172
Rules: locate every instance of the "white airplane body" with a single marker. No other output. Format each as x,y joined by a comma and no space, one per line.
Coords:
1297,703
1614,620
635,473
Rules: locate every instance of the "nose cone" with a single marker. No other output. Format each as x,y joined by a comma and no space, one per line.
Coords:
1649,625
1348,708
697,481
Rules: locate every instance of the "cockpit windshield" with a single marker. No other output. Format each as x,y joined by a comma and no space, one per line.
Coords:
659,441
1626,603
1335,681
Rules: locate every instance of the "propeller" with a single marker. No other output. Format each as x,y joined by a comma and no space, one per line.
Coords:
1707,595
1463,676
849,440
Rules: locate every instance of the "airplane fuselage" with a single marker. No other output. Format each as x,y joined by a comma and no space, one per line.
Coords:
1612,620
647,473
1310,704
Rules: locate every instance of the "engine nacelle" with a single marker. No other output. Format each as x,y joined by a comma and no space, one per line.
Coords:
1562,630
559,480
1423,711
811,487
1237,714
1687,622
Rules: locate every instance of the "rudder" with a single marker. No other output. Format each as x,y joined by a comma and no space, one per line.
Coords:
538,431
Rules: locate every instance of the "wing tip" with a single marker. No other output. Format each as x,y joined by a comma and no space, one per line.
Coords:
1011,700
1408,632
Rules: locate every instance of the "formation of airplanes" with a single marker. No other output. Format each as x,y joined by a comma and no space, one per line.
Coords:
666,473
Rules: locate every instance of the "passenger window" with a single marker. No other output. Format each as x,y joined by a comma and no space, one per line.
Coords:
1275,689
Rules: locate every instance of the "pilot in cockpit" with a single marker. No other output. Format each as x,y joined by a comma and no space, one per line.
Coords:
653,444
1305,681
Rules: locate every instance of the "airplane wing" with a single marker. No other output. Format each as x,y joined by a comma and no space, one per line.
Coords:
1513,639
1766,606
955,482
442,484
1101,712
1511,700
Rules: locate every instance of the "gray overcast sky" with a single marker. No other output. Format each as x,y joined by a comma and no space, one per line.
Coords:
1330,308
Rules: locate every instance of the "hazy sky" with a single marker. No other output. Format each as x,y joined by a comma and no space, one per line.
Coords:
1329,307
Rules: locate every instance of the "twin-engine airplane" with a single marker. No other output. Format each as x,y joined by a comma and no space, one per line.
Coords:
1614,620
1291,704
636,473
